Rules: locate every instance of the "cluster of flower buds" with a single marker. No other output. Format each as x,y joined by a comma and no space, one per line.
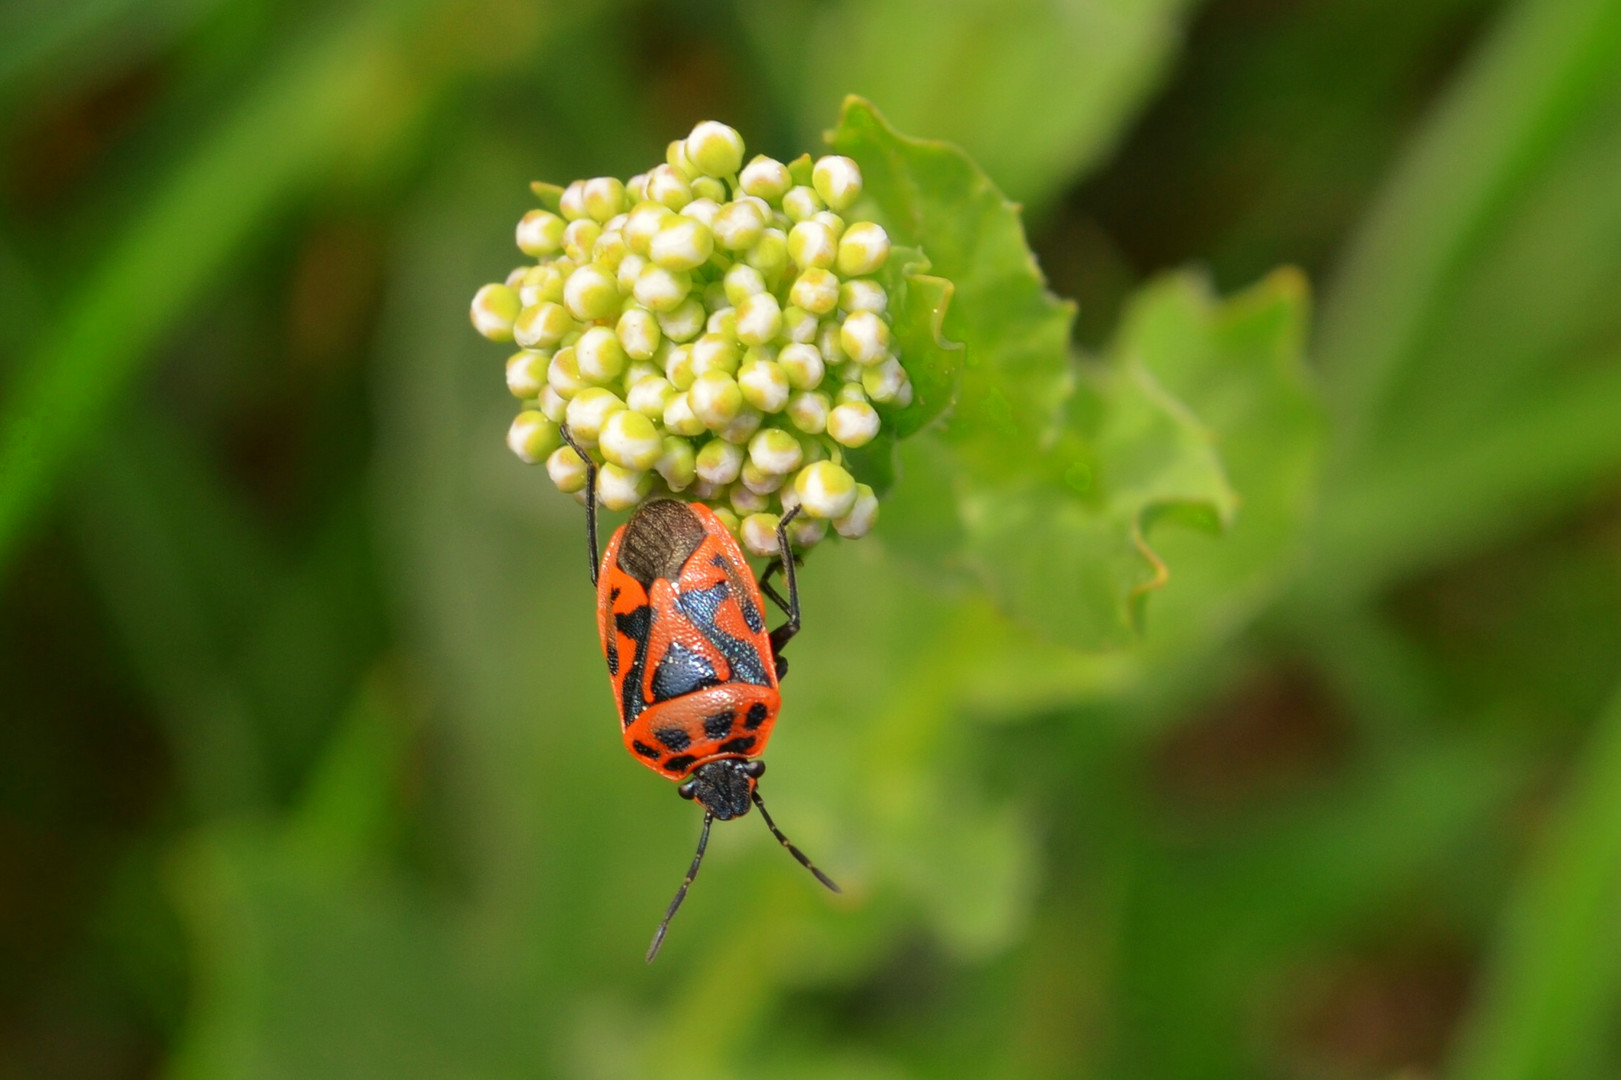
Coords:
710,328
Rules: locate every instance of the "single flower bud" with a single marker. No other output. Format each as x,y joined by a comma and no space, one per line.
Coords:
716,149
719,461
542,283
816,290
563,373
851,424
707,187
712,352
741,428
591,293
666,185
715,398
798,325
759,534
825,490
540,233
678,464
755,479
495,307
883,381
803,366
661,290
682,244
589,410
678,367
801,204
775,451
542,326
684,322
765,178
619,488
649,395
566,469
742,281
629,439
837,181
770,254
812,243
553,404
863,249
638,332
807,410
764,385
859,294
865,338
599,354
578,238
679,418
572,203
738,225
642,222
806,532
722,321
745,500
759,318
526,374
532,437
703,211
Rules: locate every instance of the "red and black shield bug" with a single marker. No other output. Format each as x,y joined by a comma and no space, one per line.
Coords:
695,673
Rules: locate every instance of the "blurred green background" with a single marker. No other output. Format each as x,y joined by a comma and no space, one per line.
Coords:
308,764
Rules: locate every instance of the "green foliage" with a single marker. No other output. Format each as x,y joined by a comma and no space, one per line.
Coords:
1209,682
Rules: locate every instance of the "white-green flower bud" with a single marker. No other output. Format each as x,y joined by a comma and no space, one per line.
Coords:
741,282
834,223
589,410
526,374
563,373
816,290
702,211
628,438
620,488
661,290
850,391
741,428
495,308
638,332
803,366
532,437
738,225
903,397
759,534
514,279
801,204
755,479
682,244
642,222
722,321
860,294
679,419
540,284
837,180
675,155
578,238
540,233
630,268
865,338
715,398
765,178
572,203
798,325
759,318
566,469
666,185
806,532
637,370
602,197
707,187
678,367
808,410
678,464
728,519
719,461
764,385
553,404
769,255
745,500
541,326
704,491
863,249
825,490
600,356
636,188
774,451
610,250
883,381
591,293
649,395
852,424
684,322
716,149
811,243
863,514
713,352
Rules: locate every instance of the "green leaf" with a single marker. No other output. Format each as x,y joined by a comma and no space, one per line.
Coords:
1035,91
1555,979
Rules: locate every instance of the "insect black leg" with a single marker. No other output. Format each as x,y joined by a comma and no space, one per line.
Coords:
590,500
792,850
773,567
784,633
681,893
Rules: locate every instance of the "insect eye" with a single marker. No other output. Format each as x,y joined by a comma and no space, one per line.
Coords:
688,790
755,768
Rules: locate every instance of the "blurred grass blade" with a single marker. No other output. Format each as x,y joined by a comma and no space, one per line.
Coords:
1549,1005
283,134
1534,81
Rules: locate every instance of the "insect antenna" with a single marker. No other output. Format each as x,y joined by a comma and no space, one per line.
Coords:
789,844
681,893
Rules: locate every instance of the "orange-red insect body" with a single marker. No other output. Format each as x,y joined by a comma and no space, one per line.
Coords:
695,673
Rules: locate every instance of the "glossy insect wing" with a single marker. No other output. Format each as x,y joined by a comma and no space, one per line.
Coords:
683,630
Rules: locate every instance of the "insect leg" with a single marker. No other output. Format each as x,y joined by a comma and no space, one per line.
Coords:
590,501
784,633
